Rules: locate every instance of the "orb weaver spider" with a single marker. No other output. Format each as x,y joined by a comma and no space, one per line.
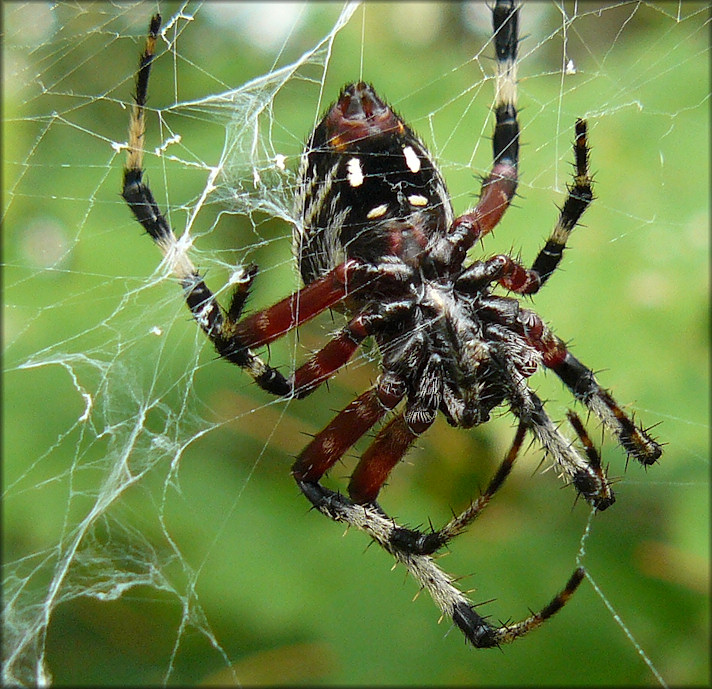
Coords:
375,236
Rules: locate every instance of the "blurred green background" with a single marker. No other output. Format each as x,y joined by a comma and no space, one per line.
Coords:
151,530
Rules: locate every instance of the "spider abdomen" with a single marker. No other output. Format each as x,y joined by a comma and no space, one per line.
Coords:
368,188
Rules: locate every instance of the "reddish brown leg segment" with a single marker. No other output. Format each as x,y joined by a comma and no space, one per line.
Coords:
266,326
332,356
379,459
330,444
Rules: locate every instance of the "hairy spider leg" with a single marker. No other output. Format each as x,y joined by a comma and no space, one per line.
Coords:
330,444
592,484
428,542
358,417
330,358
233,339
529,408
376,463
500,186
395,439
578,199
515,277
635,440
588,476
586,487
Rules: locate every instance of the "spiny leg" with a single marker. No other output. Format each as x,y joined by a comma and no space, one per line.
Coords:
351,423
522,280
447,597
500,186
330,444
587,475
137,128
427,543
592,484
393,441
580,195
583,483
235,339
324,363
510,273
376,463
386,532
513,631
231,337
635,440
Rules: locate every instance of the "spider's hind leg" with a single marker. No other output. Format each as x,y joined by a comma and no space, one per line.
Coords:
427,543
329,446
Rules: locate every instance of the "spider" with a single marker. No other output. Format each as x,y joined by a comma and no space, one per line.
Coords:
376,237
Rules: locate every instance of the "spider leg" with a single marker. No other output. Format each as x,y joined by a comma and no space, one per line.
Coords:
592,484
322,365
578,199
340,434
583,484
137,128
500,186
353,422
232,337
514,276
332,442
427,543
394,439
583,384
376,463
448,598
587,474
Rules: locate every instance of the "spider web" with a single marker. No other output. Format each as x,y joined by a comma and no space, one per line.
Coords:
151,531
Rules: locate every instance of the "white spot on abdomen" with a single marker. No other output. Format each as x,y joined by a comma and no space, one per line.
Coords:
354,173
411,159
377,212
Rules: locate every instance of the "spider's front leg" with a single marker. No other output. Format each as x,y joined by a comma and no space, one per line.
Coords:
514,276
500,186
233,338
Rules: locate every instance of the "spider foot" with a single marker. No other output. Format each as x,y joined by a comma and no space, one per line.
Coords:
483,635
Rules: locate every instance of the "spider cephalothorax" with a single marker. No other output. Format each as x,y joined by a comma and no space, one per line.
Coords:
376,237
